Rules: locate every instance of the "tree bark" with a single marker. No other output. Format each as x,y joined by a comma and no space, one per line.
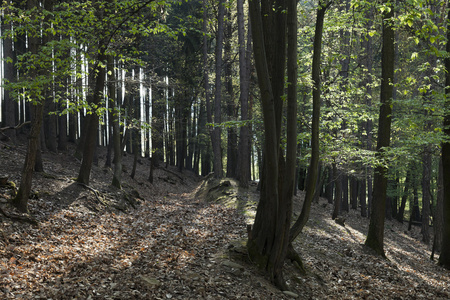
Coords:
426,195
313,169
8,103
444,258
216,132
244,85
375,236
20,201
269,239
92,129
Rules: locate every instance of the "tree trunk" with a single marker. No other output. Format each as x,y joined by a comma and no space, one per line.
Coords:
329,186
269,239
344,184
244,85
20,201
401,210
426,195
362,198
216,131
438,216
338,192
375,235
116,136
313,170
91,131
354,192
8,104
444,258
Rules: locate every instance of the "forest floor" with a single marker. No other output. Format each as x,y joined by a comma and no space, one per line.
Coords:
182,238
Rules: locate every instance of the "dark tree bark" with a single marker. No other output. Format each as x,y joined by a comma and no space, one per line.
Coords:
344,185
90,142
313,169
8,104
216,132
244,85
269,239
329,187
354,192
114,115
375,236
20,201
444,258
338,192
206,159
426,195
401,210
362,198
232,146
414,216
438,216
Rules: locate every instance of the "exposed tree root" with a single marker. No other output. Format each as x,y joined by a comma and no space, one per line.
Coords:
296,259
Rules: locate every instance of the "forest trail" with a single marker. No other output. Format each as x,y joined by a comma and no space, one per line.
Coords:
175,245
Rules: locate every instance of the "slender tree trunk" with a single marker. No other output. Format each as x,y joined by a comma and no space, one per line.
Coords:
338,192
313,170
20,201
216,132
375,236
8,104
438,216
401,210
426,195
91,134
244,85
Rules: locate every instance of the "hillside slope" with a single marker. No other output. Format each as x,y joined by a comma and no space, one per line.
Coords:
167,240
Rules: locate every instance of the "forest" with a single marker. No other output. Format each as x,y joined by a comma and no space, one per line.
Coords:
209,149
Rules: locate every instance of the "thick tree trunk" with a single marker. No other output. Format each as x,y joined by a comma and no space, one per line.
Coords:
269,239
375,236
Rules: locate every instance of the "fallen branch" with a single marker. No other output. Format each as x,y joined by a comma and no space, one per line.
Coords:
14,127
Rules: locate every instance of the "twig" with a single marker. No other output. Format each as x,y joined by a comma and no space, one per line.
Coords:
14,127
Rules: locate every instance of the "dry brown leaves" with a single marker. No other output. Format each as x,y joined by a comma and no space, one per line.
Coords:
173,246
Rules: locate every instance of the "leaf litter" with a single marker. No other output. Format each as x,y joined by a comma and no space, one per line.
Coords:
175,245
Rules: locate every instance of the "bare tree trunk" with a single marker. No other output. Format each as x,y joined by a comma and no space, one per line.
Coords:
375,236
426,195
216,132
444,258
20,201
244,80
91,134
9,105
